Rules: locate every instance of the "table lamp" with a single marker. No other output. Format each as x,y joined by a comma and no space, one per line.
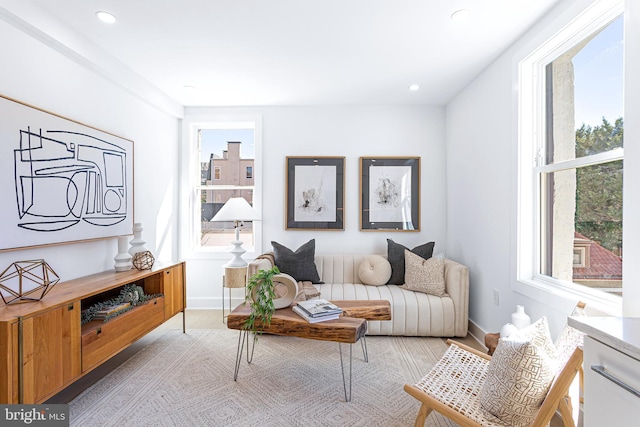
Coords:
236,209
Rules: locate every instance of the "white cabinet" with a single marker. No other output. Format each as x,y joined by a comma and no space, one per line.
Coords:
607,372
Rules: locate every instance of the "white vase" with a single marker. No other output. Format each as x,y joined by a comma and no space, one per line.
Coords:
520,319
123,259
507,330
137,243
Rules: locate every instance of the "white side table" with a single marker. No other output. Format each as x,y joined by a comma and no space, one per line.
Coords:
234,277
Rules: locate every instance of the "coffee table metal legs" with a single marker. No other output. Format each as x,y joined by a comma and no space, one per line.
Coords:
347,396
242,337
365,353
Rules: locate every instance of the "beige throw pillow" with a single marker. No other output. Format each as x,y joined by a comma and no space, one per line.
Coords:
374,270
519,375
424,275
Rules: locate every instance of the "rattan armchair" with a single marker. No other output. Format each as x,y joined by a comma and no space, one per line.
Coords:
454,383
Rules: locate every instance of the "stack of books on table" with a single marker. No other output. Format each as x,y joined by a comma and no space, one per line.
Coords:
317,310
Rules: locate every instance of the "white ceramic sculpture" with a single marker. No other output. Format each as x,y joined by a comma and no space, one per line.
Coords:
123,258
137,243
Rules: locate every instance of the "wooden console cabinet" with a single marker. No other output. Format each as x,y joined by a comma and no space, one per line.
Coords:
44,348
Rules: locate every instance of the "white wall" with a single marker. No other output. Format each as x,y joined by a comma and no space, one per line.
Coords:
468,201
481,135
47,75
350,131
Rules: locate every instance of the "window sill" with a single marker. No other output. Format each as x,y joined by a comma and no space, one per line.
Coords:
554,294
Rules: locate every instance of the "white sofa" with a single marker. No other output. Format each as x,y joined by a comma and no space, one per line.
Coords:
412,313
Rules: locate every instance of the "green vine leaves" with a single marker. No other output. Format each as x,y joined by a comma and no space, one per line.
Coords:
260,295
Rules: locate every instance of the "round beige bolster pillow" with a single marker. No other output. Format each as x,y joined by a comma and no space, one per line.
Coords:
375,270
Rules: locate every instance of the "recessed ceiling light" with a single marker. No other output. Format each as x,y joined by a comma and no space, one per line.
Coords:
106,17
414,87
461,15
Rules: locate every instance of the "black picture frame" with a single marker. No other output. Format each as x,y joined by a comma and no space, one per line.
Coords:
389,193
314,193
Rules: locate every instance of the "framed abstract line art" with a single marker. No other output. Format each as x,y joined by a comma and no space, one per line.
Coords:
390,193
315,193
62,181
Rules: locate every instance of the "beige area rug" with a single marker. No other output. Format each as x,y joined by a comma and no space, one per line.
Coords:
187,380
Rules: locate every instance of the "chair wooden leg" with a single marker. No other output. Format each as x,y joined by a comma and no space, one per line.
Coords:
423,413
581,389
567,398
566,413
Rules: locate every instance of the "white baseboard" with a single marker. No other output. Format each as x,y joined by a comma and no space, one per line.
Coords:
477,332
212,303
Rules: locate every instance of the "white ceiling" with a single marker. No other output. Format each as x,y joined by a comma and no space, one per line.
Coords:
302,52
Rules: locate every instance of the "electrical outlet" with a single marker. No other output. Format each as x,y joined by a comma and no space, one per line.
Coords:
496,296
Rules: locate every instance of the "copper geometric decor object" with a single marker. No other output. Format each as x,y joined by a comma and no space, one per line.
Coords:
143,260
25,281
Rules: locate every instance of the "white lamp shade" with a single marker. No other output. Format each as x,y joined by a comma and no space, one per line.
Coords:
236,209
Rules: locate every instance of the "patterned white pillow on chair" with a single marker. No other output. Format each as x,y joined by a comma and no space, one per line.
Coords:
519,375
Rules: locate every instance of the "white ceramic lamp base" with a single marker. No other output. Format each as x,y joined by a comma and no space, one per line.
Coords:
237,252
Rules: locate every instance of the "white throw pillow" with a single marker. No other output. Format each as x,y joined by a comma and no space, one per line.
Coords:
375,270
520,373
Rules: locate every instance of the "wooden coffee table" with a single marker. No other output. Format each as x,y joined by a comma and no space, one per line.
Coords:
348,329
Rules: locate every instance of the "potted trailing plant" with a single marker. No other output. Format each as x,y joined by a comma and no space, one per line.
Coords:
260,295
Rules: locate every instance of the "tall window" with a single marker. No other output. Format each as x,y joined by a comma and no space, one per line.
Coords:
225,151
578,134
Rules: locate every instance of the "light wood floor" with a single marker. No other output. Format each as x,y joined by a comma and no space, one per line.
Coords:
212,319
195,319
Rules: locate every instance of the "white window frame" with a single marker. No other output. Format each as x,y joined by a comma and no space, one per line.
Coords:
191,185
531,135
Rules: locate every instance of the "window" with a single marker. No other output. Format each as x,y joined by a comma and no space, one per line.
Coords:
580,256
223,149
249,172
572,121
